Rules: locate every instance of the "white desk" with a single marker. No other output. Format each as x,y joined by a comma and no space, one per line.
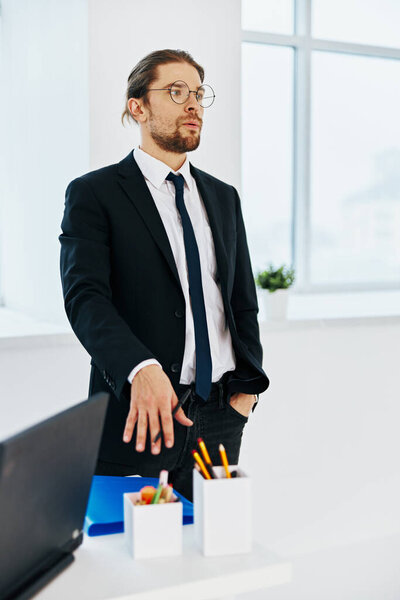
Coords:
103,569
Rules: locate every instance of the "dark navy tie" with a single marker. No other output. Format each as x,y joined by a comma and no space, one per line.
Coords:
203,354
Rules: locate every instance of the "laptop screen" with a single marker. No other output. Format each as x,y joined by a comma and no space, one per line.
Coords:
45,478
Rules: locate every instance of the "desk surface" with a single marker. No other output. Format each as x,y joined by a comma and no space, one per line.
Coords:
103,569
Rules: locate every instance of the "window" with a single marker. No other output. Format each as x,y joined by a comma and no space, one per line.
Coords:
267,127
321,140
275,15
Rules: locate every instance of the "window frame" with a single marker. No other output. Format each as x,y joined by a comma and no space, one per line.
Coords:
303,45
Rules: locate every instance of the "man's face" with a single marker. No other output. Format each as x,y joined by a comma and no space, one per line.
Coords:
166,119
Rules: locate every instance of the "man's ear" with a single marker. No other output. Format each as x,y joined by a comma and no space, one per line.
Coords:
136,110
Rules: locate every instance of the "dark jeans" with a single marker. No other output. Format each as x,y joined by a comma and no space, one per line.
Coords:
215,421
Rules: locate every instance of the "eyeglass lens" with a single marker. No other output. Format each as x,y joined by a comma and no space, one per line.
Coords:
180,92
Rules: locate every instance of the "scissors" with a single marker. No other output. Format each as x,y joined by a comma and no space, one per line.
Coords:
181,401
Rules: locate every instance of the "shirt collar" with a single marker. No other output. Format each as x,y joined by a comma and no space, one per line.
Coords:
156,170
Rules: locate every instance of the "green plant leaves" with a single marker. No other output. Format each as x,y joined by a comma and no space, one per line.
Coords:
274,279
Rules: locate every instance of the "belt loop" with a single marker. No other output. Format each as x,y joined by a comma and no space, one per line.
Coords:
220,394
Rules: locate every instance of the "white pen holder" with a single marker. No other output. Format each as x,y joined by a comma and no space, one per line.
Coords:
152,530
222,511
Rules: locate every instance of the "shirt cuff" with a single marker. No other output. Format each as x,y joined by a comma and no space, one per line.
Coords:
256,402
144,363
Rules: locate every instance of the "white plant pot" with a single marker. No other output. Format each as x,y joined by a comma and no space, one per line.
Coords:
275,304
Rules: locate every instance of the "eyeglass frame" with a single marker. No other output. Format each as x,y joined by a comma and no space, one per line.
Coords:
190,91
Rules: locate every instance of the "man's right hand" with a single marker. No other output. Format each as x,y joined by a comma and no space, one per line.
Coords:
152,397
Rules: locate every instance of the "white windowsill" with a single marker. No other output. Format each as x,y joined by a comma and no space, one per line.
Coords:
304,310
336,309
18,329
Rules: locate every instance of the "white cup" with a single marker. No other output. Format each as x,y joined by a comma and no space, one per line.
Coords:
152,529
222,511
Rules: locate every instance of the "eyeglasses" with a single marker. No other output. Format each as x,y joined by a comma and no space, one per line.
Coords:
179,92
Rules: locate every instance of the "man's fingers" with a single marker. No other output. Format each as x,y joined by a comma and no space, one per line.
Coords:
167,427
141,431
130,425
174,399
182,418
154,423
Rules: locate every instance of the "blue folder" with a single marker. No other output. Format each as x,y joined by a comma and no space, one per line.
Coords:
105,509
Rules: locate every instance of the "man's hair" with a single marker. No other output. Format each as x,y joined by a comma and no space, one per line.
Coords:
145,72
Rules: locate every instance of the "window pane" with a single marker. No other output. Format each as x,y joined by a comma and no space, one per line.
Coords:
275,16
355,169
374,22
267,140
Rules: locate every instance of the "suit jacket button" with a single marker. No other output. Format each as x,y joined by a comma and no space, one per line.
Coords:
179,313
175,368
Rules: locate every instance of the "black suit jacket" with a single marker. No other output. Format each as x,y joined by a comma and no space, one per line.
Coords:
122,291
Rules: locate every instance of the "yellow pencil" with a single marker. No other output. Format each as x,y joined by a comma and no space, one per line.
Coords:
224,460
201,464
207,458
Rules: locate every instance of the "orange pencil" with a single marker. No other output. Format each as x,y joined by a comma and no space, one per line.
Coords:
224,460
201,464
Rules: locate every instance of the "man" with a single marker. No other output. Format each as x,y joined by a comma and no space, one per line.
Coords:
158,286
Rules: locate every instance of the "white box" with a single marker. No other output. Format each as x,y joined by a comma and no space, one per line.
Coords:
222,511
152,529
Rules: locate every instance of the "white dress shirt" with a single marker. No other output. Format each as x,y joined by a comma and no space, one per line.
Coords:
163,192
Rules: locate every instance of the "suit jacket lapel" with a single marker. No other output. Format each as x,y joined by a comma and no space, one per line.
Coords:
135,186
212,205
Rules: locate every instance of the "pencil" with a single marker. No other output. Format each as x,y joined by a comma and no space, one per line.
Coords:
224,460
179,404
207,458
164,491
163,478
168,493
201,464
157,495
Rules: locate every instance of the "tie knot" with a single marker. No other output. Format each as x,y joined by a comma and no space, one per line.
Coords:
178,180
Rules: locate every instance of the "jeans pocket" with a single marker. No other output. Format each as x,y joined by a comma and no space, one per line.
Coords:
237,413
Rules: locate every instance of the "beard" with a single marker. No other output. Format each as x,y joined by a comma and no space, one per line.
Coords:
174,142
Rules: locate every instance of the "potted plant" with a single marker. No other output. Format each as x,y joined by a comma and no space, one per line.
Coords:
274,284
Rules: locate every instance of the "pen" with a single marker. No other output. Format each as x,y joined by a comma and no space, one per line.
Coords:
179,404
201,464
224,460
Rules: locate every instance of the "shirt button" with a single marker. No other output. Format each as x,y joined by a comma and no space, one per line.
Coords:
179,313
175,368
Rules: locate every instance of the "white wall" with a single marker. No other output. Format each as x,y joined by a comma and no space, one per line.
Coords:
322,446
44,144
65,69
123,31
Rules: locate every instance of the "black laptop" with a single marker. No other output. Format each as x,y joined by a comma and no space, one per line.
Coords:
45,477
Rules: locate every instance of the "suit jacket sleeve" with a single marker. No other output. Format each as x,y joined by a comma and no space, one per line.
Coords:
85,274
244,296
